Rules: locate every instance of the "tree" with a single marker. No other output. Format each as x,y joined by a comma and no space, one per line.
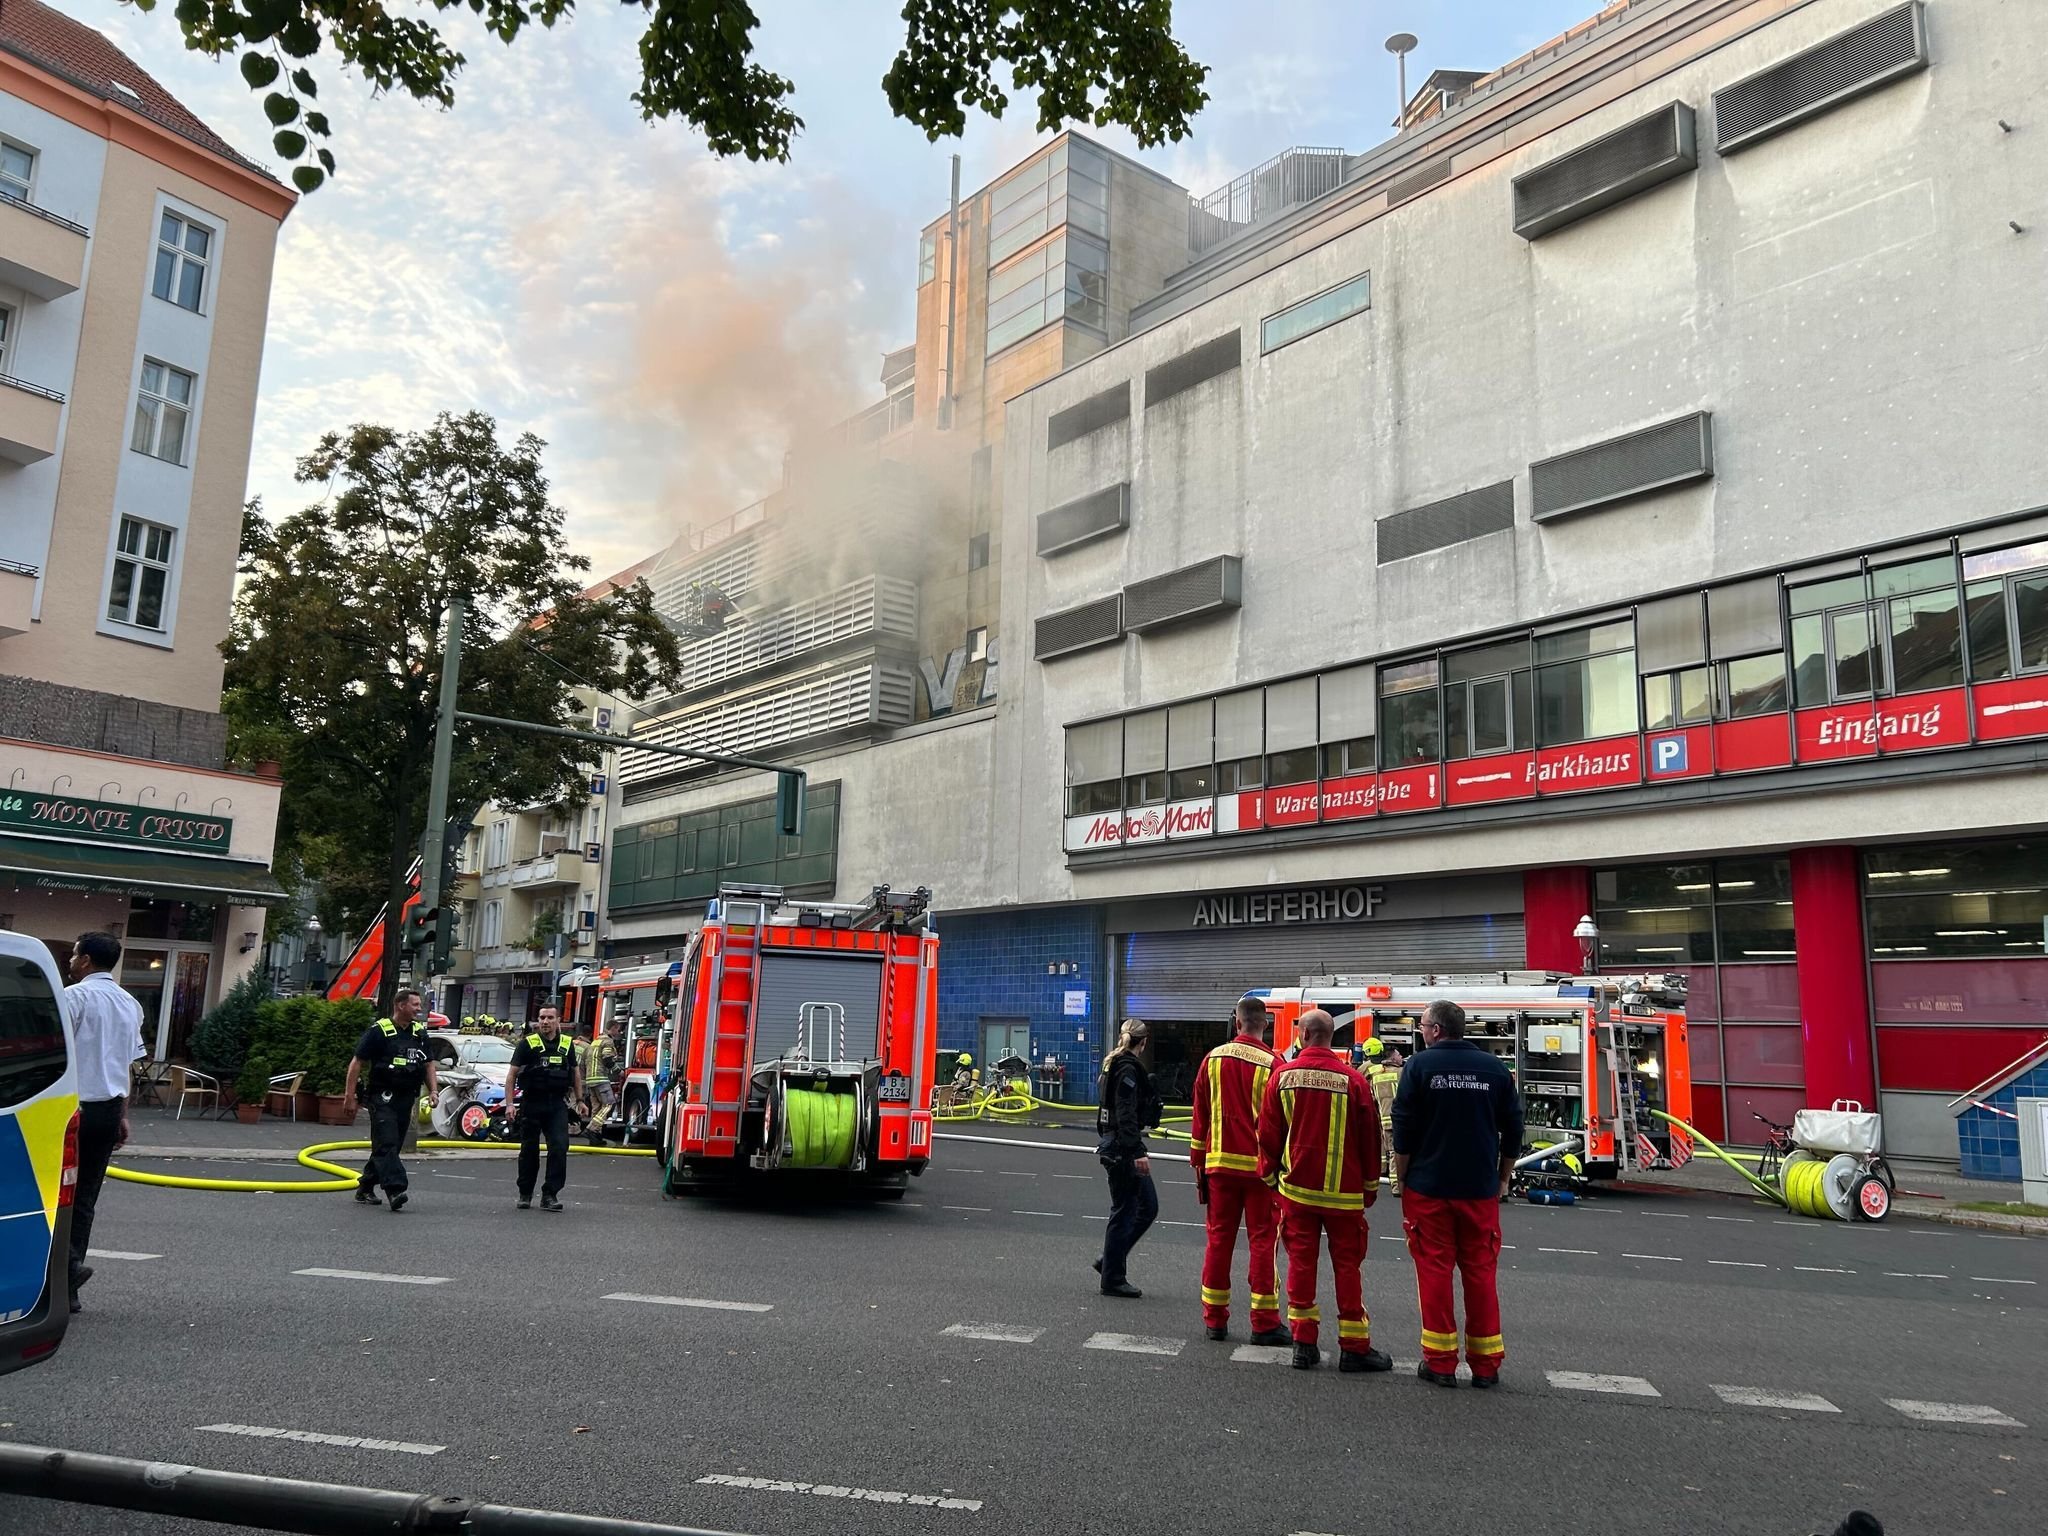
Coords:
334,652
1107,61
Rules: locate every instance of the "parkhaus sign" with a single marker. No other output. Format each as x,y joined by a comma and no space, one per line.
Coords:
1258,909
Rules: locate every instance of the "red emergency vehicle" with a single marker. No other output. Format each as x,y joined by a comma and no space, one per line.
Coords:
804,1036
634,1003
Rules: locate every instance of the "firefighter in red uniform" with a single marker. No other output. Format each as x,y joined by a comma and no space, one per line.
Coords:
1319,1145
1230,1089
1457,1132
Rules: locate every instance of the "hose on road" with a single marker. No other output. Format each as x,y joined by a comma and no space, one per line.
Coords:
340,1178
1770,1192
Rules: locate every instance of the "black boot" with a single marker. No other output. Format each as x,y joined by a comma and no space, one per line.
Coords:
1365,1360
1218,1334
1435,1378
1273,1337
1122,1288
1307,1357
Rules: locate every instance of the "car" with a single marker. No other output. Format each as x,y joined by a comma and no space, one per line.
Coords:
486,1055
38,1153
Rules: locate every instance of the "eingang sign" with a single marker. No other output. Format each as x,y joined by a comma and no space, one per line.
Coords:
105,821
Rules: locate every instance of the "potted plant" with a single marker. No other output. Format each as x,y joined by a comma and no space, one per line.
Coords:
250,1083
334,1029
222,1040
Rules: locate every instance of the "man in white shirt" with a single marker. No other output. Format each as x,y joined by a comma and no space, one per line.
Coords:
108,1026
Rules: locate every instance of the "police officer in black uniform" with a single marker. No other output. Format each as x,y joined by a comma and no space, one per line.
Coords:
395,1052
544,1072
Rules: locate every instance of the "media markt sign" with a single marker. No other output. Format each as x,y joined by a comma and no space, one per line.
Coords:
103,821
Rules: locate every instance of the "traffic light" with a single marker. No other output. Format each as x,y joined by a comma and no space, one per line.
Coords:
789,804
430,937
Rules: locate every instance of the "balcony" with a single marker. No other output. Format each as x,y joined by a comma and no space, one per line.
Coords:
466,886
29,415
504,958
17,597
39,251
549,869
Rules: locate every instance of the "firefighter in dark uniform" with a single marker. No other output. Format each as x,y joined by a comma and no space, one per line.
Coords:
544,1073
394,1051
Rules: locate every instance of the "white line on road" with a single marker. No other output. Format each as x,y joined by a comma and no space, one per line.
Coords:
995,1333
950,1168
1060,1214
1201,1224
1738,1264
1815,1269
1135,1343
1987,1279
1583,1381
1089,1177
981,1208
1012,1141
1900,1274
693,1301
467,1178
115,1253
1757,1397
1666,1258
1953,1413
1591,1253
1012,1173
1262,1354
1929,1232
309,1437
1747,1221
1668,1215
365,1274
839,1491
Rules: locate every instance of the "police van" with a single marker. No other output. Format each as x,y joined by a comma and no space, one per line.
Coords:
38,1153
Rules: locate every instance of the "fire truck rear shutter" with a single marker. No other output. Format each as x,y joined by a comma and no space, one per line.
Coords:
791,978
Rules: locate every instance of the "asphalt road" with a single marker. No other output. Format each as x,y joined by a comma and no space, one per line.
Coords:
1730,1369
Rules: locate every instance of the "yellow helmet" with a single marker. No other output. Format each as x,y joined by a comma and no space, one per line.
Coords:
1375,1046
965,1059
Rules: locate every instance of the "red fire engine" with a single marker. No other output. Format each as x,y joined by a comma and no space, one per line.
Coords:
1593,1055
633,1001
802,1035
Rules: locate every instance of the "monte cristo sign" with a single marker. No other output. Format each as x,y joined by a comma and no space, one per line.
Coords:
105,821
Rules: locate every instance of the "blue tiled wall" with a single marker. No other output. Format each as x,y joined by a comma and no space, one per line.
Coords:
1990,1144
995,966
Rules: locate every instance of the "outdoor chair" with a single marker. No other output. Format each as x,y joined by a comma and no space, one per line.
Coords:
197,1085
287,1083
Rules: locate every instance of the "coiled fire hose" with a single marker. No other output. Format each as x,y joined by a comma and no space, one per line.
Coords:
340,1178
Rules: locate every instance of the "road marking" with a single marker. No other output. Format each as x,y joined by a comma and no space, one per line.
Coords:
700,1302
1747,1221
1060,1214
469,1178
951,1169
1202,1224
1011,1141
1737,1264
1928,1232
981,1208
1262,1354
1135,1344
1089,1177
995,1333
309,1437
1012,1173
838,1491
1900,1274
1582,1381
1182,1183
1591,1253
115,1253
1987,1279
1668,1215
1815,1269
1953,1413
365,1274
1665,1258
1757,1397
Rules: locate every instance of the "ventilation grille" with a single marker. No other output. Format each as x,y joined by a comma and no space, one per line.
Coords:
1093,516
1192,592
1208,361
1078,629
1091,415
1419,181
1650,150
865,694
1455,519
1883,49
1643,461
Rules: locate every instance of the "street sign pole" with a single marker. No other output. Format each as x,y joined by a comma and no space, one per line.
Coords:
432,855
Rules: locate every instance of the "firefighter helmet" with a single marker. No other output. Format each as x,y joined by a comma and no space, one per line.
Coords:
1375,1047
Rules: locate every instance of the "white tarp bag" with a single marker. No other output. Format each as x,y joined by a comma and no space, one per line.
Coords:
1848,1127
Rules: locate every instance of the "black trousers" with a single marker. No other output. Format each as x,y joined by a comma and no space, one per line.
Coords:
1133,1205
536,1119
388,1114
99,1127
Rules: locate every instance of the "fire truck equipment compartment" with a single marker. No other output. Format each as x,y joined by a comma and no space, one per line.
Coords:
790,979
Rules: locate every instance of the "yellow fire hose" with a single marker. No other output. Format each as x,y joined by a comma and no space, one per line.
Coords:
1769,1191
341,1178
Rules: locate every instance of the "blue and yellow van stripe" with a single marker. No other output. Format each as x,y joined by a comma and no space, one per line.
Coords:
31,1171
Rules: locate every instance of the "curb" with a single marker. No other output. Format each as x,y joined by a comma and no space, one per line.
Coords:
1994,1221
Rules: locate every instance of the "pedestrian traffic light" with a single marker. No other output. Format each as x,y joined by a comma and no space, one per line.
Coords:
789,804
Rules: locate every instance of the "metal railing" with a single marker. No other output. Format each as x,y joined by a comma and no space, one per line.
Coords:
284,1503
1290,178
31,389
15,567
44,214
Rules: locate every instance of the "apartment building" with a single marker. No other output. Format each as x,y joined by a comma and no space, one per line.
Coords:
135,268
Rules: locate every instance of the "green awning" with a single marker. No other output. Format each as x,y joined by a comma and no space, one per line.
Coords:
48,864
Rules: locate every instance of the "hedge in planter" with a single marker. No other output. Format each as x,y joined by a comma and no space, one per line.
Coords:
221,1042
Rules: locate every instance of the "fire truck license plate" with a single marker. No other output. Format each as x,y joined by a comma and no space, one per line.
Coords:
893,1090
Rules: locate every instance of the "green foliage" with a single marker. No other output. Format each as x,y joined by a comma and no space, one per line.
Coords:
1110,61
334,650
221,1040
303,1034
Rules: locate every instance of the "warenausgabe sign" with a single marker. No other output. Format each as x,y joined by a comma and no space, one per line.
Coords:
103,821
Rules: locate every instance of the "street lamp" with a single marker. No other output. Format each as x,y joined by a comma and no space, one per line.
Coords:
1588,936
316,956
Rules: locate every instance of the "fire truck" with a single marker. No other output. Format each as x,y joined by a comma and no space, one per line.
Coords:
1593,1055
635,1001
800,1035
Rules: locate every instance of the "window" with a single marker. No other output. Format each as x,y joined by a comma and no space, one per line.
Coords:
1487,706
1957,901
163,410
1673,699
1313,314
902,408
1145,758
1095,768
501,838
1068,185
593,826
6,336
182,252
2007,599
977,552
1896,629
1752,685
1348,699
1586,684
1291,752
1241,741
32,1051
17,171
1410,721
977,644
142,574
1064,277
1190,749
492,928
927,258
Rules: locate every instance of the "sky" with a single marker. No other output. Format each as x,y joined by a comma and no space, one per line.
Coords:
663,319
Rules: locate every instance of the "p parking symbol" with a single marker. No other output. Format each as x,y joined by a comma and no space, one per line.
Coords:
1667,755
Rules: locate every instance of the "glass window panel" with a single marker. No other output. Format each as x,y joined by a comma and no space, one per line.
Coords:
2030,608
1755,930
1703,1047
1772,1054
1028,179
130,538
1809,661
1241,773
179,385
1028,230
1671,633
1408,728
1744,619
1291,715
1087,312
2000,924
1014,215
1458,721
1025,270
1857,661
1191,783
1765,993
1818,595
1634,885
1295,767
1145,788
196,240
1357,755
1486,660
1083,188
1489,717
149,603
1568,644
1095,751
1753,879
1677,698
1086,255
1913,576
1586,700
1078,215
1240,725
1088,160
1408,676
121,591
153,377
1094,799
170,444
1057,157
169,228
1348,699
1957,992
927,259
1000,336
145,426
1145,743
1990,633
1191,734
1030,296
1754,685
1926,641
1314,313
166,273
1656,936
1973,867
2000,562
189,281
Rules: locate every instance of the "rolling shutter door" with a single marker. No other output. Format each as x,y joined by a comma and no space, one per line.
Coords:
790,978
1201,973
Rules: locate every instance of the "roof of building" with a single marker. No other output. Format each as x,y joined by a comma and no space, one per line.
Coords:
84,57
621,579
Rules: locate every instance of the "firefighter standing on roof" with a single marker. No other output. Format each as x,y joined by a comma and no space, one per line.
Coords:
1230,1088
1319,1146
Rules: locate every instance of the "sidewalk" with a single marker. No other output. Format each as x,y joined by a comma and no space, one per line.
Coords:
153,1133
1931,1191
